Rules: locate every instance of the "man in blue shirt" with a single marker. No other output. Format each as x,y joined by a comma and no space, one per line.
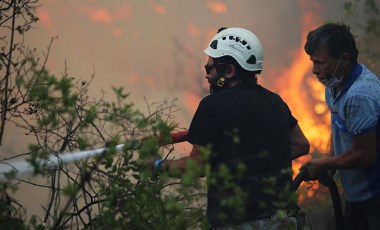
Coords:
353,97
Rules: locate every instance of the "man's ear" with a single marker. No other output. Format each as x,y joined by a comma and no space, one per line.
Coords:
346,59
230,71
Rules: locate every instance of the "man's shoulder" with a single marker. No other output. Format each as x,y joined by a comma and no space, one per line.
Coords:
211,99
368,77
367,72
367,84
232,94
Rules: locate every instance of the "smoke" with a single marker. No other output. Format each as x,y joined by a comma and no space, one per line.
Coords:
155,49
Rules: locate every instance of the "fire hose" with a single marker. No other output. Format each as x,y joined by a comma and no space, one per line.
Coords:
329,182
24,168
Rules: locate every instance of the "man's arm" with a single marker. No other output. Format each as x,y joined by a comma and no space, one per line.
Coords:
332,152
299,145
361,156
178,167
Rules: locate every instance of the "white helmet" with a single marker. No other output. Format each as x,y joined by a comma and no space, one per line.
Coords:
239,43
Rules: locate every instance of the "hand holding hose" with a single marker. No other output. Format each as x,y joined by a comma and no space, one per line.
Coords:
315,170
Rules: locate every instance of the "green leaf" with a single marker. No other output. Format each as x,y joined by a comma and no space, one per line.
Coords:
69,190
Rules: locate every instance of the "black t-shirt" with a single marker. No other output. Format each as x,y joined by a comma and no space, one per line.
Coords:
247,128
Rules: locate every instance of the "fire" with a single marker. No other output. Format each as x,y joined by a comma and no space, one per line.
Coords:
217,7
106,16
305,97
132,77
44,16
194,31
303,93
117,32
159,9
99,15
296,84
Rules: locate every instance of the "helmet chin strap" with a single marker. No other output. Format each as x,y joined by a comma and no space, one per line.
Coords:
218,83
221,82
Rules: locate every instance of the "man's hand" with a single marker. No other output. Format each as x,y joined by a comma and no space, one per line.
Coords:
152,167
316,169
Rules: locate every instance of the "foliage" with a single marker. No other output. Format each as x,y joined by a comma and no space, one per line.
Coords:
113,190
364,18
16,18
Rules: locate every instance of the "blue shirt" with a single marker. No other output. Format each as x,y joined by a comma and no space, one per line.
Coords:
355,110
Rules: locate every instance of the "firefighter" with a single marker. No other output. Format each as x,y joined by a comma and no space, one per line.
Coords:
251,135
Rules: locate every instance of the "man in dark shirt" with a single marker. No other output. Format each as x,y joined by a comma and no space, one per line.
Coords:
250,132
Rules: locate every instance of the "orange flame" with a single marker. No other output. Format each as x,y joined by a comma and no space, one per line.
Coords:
117,31
194,31
305,97
105,16
159,9
98,15
45,18
304,94
217,7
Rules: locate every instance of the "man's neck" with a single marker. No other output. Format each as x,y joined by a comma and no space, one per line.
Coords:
346,76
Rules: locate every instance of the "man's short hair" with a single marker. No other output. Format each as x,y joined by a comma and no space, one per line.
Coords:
335,38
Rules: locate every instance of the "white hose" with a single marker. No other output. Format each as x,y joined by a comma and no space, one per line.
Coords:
24,168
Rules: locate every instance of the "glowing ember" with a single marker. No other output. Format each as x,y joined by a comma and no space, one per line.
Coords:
159,9
217,7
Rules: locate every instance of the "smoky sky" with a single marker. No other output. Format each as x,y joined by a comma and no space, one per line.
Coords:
154,49
148,44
